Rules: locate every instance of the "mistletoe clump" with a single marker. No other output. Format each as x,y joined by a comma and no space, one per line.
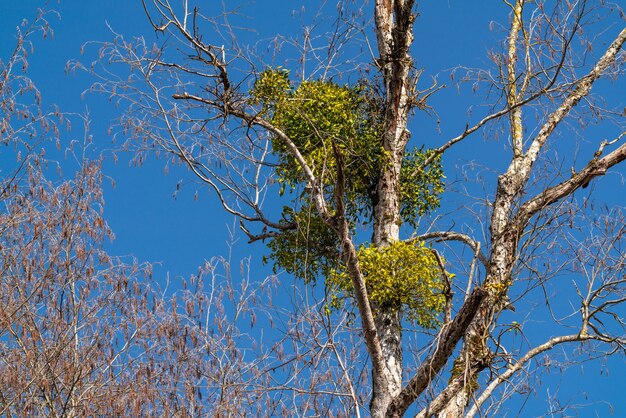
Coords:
404,276
322,118
333,124
309,249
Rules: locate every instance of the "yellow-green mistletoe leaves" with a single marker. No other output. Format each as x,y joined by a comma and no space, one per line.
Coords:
321,117
334,124
404,276
271,88
420,187
308,250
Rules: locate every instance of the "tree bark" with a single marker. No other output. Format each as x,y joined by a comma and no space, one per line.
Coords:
507,224
394,34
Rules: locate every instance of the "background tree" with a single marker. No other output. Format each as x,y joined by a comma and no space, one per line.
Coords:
83,333
337,154
65,325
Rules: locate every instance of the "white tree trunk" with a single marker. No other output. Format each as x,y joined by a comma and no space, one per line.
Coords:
394,33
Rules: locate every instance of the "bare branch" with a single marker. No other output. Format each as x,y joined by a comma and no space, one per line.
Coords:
450,335
596,167
455,236
312,181
512,369
441,400
583,86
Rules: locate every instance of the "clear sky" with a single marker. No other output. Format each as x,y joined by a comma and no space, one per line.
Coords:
147,221
180,233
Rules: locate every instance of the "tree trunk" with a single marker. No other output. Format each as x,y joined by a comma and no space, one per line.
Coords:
456,406
394,33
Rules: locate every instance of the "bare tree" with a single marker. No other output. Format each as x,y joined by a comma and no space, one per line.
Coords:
86,334
337,156
63,301
83,333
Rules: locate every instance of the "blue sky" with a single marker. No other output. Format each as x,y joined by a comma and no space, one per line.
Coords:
180,233
148,222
